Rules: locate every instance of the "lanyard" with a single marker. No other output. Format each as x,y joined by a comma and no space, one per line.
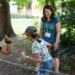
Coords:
47,27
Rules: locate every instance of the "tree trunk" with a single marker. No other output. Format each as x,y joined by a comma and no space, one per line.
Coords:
5,20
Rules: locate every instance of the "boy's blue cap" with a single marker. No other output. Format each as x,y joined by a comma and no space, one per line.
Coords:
30,30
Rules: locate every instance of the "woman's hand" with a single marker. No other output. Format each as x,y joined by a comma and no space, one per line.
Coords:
23,54
55,46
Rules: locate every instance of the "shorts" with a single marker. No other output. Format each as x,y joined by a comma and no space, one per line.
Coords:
55,53
46,67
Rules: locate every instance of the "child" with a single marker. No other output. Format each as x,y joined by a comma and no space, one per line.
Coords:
42,58
6,50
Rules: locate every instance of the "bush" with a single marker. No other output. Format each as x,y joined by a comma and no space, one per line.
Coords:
20,16
68,37
68,22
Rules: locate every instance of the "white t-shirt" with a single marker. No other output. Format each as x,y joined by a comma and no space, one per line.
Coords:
42,49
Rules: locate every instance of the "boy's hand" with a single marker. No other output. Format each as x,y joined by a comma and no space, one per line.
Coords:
23,54
49,45
6,38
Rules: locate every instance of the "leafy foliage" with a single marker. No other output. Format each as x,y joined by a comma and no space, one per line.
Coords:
21,3
68,21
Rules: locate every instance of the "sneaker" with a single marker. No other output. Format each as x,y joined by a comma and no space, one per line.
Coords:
57,73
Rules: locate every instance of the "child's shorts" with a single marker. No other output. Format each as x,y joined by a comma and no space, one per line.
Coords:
46,67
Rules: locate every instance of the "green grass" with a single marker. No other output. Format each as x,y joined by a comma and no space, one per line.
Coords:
19,26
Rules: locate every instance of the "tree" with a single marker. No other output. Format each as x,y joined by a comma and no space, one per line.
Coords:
5,19
45,2
5,22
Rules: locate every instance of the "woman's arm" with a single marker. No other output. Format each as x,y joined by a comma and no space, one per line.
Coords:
58,29
41,30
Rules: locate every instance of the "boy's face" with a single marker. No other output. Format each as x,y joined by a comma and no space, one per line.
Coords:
29,37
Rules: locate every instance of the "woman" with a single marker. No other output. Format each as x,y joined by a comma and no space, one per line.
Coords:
42,58
50,32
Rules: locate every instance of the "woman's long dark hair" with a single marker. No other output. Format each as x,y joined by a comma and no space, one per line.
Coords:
51,8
